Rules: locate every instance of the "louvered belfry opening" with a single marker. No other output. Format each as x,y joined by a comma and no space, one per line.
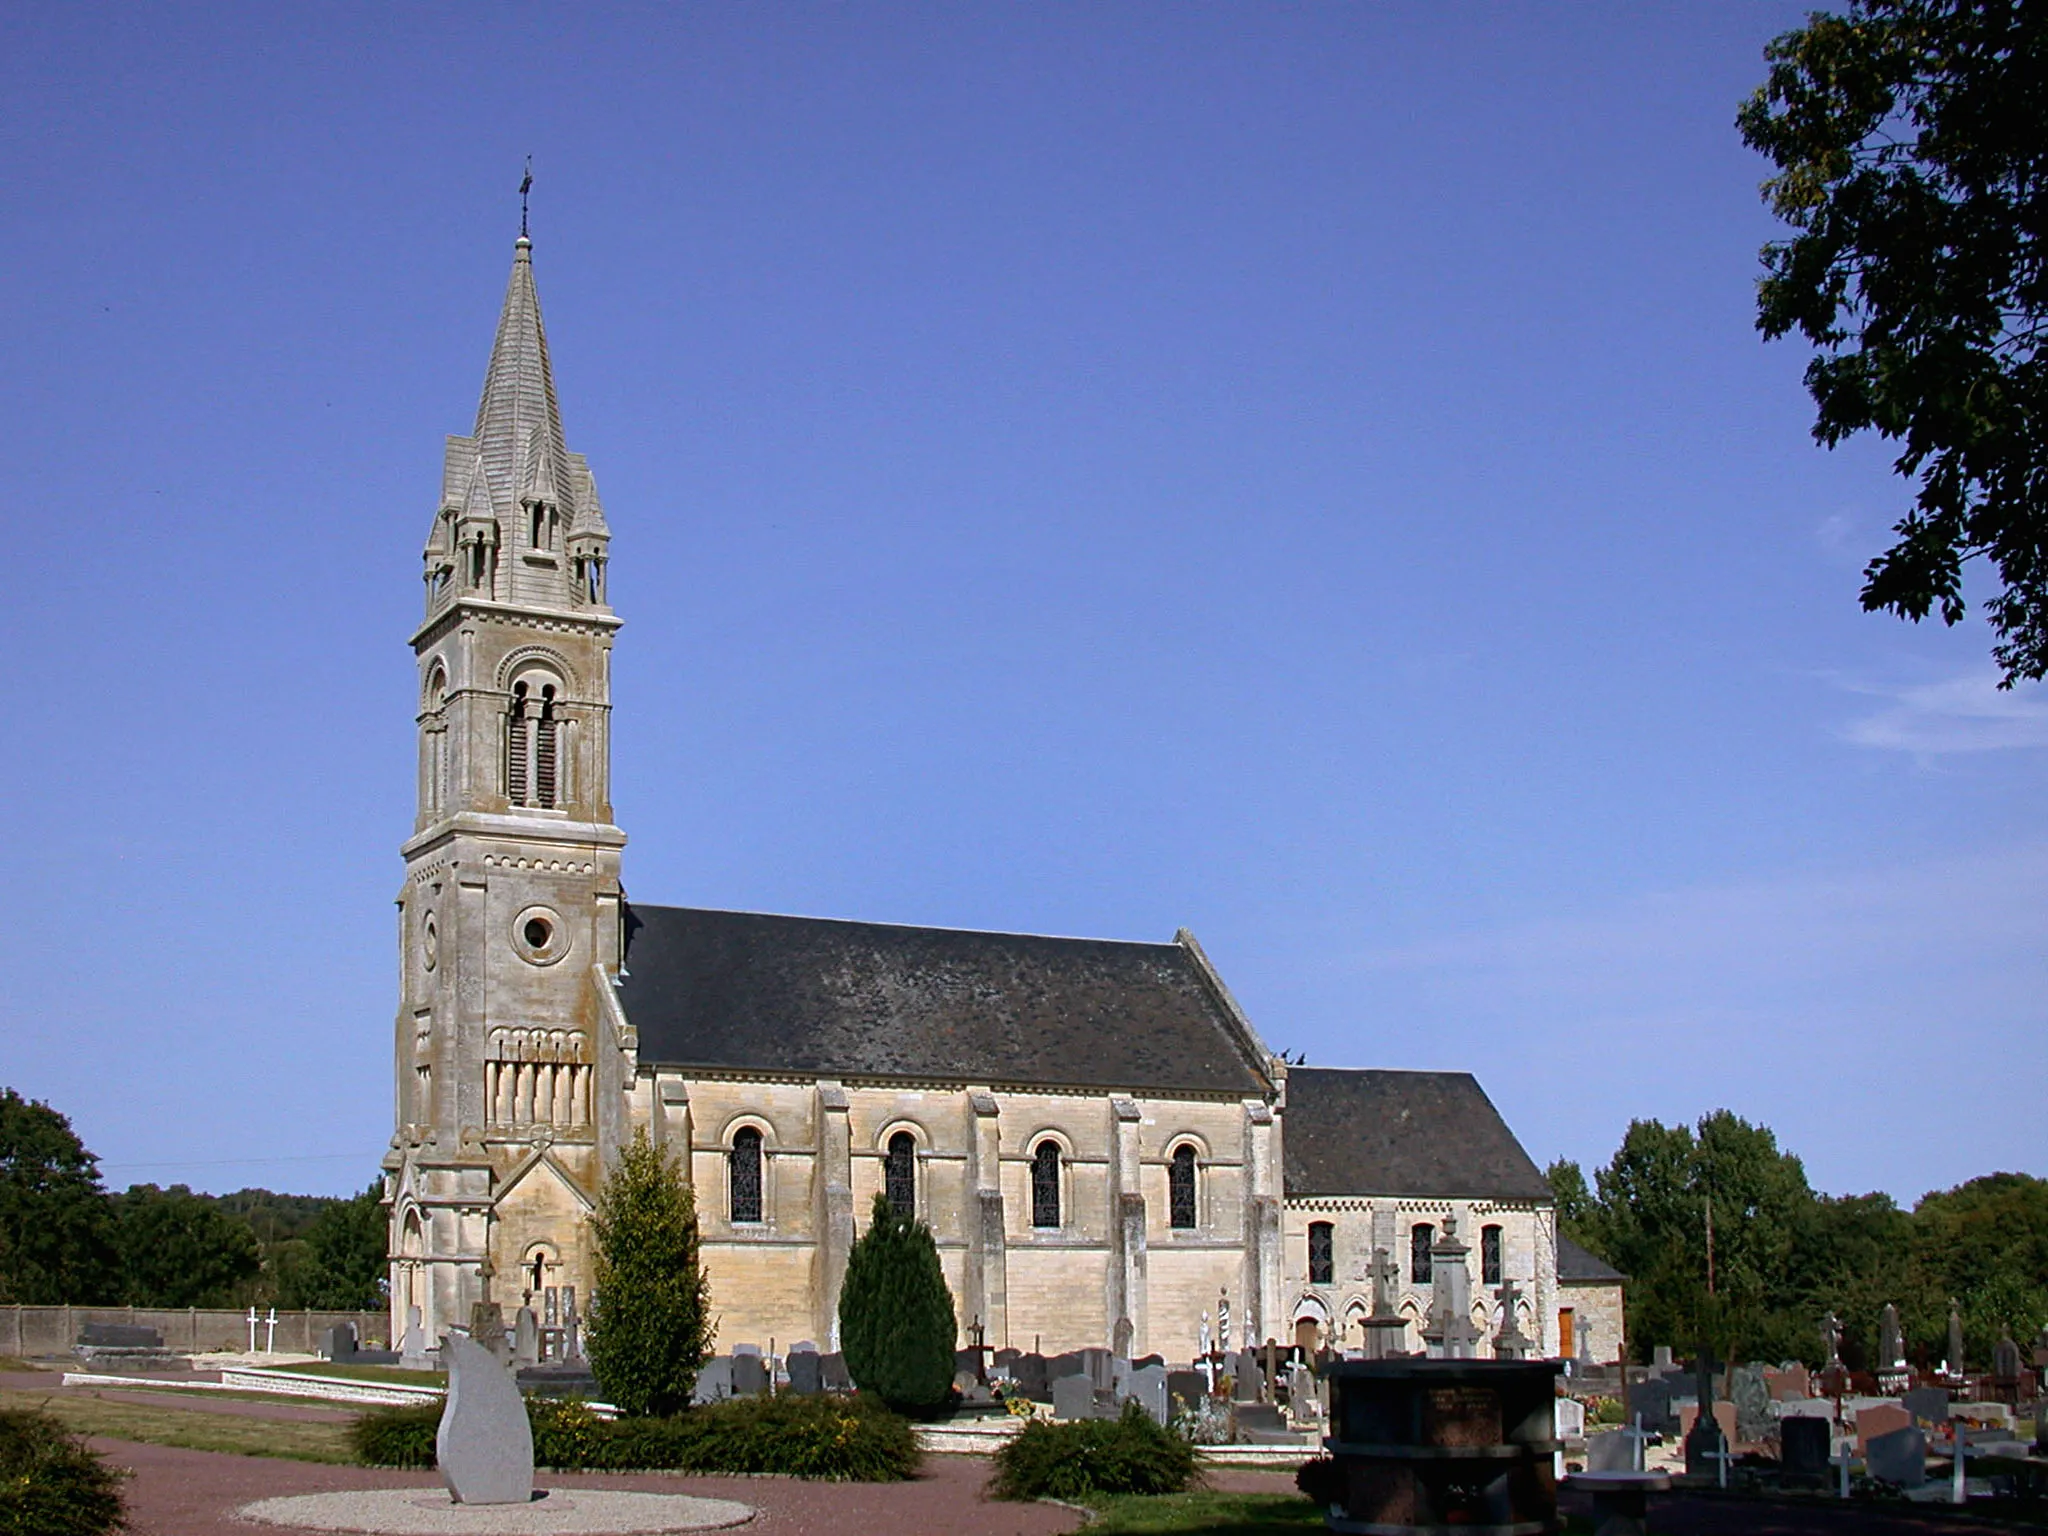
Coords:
517,753
544,751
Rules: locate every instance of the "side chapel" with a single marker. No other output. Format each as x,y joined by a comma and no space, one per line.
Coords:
1101,1142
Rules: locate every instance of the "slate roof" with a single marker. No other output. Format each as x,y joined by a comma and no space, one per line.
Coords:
806,995
1401,1133
1575,1263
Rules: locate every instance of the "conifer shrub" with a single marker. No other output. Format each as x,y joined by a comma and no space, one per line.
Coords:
650,1317
1127,1454
845,1439
51,1482
897,1327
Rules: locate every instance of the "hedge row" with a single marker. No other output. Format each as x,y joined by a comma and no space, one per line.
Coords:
842,1439
50,1483
1127,1454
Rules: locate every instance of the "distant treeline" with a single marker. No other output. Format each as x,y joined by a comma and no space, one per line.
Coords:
1783,1257
65,1238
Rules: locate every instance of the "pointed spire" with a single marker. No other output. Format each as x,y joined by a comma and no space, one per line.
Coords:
518,404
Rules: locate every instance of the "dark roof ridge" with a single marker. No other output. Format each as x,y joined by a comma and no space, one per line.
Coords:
869,922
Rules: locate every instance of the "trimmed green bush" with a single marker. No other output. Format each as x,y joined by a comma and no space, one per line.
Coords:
843,1439
396,1437
650,1314
51,1484
896,1323
1127,1454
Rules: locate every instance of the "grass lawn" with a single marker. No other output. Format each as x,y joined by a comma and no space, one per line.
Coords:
1226,1514
192,1429
335,1372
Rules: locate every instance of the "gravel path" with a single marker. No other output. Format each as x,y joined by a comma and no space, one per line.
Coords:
196,1493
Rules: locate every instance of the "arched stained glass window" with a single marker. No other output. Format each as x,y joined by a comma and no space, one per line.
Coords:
1489,1255
1322,1253
1180,1188
745,1163
1045,1184
899,1174
1421,1238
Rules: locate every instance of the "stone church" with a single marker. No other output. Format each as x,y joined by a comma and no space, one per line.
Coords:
1104,1147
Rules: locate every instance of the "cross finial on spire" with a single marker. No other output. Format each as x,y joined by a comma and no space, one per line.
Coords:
525,186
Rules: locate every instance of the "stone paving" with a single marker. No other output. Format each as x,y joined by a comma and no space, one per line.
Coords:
196,1493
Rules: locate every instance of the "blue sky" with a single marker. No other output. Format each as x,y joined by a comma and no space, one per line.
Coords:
1305,473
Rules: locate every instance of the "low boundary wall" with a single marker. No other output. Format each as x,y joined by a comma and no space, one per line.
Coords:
28,1331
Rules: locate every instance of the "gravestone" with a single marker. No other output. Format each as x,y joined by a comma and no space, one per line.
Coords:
1928,1406
1246,1378
572,1327
1878,1419
1609,1450
1707,1439
2005,1363
1807,1408
806,1373
1955,1338
1148,1389
1805,1445
1652,1400
749,1374
1751,1395
714,1380
1073,1397
1898,1457
1144,1360
1660,1358
338,1343
1892,1373
1073,1363
1097,1363
412,1349
487,1329
1301,1394
1030,1374
484,1445
1006,1358
1186,1389
1789,1383
1569,1418
1261,1424
525,1338
122,1346
832,1368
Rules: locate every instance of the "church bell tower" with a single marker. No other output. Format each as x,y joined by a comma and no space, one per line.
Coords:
512,1054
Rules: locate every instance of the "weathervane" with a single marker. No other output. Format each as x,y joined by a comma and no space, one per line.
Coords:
525,186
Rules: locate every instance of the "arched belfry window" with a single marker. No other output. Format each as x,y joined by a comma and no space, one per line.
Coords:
1045,1184
1489,1255
744,1176
531,759
899,1174
1322,1253
1421,1238
1180,1188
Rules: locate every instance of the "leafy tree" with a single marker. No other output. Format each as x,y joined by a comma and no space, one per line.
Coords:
341,1261
1578,1212
178,1249
1911,144
650,1317
1985,1242
896,1321
55,1225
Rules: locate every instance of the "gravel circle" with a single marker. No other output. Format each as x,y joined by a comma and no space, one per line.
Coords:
561,1512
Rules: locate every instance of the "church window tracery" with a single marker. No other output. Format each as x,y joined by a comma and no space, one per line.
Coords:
1489,1256
1180,1188
1045,1184
744,1176
1322,1253
899,1174
1421,1238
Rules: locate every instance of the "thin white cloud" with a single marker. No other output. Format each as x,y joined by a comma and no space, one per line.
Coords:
1964,713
